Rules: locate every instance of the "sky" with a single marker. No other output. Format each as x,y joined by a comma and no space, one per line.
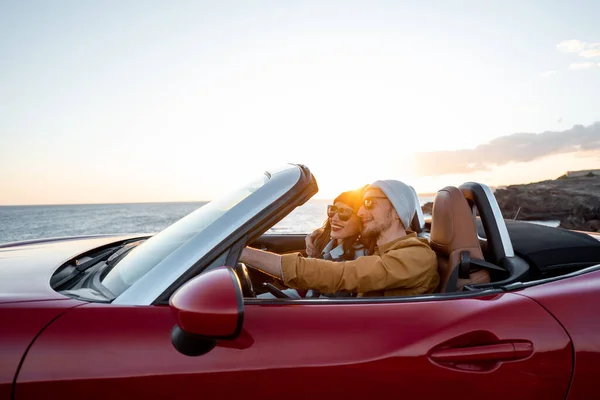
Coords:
141,101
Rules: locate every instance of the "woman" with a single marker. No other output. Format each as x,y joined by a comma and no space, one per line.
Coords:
339,239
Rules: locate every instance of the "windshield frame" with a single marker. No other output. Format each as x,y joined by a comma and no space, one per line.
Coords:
201,247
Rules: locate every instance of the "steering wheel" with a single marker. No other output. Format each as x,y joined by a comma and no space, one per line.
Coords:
241,271
280,294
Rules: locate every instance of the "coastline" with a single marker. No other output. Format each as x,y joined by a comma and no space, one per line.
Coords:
570,202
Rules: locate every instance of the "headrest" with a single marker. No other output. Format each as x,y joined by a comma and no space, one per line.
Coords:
452,223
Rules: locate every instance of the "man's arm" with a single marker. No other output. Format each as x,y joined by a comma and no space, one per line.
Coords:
268,262
401,268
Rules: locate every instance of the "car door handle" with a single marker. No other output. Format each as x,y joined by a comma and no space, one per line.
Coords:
498,352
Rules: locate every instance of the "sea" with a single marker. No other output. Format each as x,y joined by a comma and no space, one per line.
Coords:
19,223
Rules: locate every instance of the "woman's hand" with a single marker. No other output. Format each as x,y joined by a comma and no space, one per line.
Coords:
310,242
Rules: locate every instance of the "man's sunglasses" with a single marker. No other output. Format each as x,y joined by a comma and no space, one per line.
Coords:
344,214
370,202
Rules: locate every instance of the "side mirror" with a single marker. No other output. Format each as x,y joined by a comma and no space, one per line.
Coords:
207,308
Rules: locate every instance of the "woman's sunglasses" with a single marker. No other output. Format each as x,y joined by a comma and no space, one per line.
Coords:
344,214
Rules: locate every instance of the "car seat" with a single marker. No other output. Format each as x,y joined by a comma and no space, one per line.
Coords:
454,239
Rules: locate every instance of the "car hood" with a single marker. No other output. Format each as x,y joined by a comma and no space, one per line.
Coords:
26,267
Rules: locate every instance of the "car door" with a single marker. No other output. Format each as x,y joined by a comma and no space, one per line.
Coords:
497,346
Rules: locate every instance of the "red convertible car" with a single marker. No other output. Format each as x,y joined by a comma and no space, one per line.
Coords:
176,315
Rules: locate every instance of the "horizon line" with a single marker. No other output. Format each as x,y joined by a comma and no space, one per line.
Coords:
149,202
425,194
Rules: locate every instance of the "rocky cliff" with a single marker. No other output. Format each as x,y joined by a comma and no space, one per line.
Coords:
574,201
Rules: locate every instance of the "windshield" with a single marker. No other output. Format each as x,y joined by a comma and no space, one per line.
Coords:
149,254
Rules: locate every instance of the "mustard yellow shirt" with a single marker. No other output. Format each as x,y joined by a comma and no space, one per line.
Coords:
405,266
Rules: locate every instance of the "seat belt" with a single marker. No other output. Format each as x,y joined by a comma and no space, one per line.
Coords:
465,267
452,284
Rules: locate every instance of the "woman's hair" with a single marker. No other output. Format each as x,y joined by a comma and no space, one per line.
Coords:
322,239
347,244
352,198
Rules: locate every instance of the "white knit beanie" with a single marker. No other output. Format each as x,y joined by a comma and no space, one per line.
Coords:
402,198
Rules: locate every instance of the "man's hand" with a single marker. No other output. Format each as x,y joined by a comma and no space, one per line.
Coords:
310,242
263,260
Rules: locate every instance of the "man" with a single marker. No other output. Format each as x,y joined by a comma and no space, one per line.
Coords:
401,265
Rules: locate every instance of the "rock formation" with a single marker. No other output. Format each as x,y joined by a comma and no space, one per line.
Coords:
574,201
427,207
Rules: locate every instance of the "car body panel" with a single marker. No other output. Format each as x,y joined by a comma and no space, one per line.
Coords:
20,323
296,350
573,302
26,268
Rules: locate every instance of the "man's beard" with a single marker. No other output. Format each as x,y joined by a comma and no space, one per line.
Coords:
375,228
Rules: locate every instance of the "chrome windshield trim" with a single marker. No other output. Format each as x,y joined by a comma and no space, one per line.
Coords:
150,286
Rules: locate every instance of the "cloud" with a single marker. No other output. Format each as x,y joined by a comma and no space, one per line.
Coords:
584,65
518,147
571,46
590,53
583,49
547,74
